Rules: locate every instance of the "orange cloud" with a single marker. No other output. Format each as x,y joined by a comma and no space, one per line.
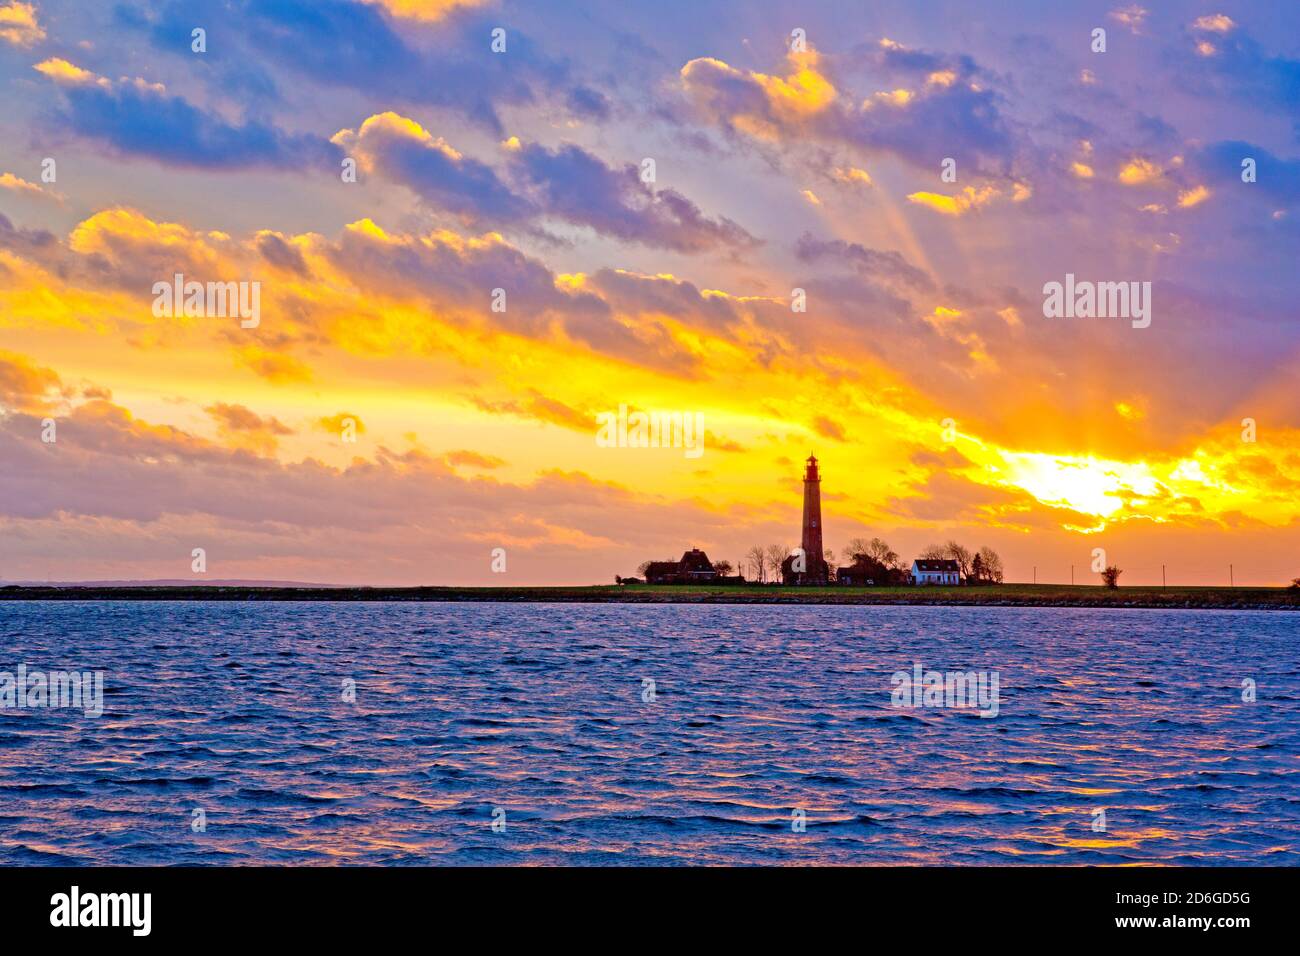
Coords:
18,24
958,205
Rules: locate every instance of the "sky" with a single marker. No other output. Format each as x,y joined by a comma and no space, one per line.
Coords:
475,227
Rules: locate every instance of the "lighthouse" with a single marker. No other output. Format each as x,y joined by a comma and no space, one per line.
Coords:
816,571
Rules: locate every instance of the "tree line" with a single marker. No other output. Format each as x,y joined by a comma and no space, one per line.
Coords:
884,564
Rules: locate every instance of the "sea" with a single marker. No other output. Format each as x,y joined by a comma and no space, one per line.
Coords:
237,733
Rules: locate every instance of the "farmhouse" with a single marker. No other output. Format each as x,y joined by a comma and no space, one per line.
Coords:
935,571
694,568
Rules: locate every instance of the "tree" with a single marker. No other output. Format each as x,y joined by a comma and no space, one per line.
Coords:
961,555
723,568
934,552
976,570
1295,583
855,547
882,552
643,567
1111,576
990,564
775,555
830,563
758,562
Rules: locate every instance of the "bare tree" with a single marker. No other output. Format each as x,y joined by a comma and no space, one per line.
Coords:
758,562
723,568
775,555
643,567
990,565
1111,576
934,552
882,552
855,547
959,554
830,563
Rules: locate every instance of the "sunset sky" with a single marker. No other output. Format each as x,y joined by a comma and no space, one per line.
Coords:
816,167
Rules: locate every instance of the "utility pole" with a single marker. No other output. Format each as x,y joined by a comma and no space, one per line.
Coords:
1072,575
1035,574
1231,582
1163,583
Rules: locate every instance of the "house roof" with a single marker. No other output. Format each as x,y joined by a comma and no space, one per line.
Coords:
695,560
936,566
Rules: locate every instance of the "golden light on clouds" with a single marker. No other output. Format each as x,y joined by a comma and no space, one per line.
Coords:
1139,171
1214,23
62,71
19,24
799,274
425,9
963,202
1193,197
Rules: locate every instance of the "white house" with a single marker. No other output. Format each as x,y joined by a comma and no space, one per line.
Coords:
930,571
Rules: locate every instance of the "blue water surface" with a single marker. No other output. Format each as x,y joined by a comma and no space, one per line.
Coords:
542,719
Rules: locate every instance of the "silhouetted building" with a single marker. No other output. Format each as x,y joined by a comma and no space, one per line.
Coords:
813,560
694,568
863,572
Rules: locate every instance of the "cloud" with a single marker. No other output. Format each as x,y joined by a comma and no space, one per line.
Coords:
1214,23
21,187
394,52
589,104
241,427
375,290
430,10
400,150
276,368
665,297
1140,171
68,74
19,25
458,274
540,408
1131,16
334,424
886,267
138,118
1218,58
122,492
471,459
24,386
567,184
281,253
829,428
946,112
963,202
1188,198
576,186
1277,180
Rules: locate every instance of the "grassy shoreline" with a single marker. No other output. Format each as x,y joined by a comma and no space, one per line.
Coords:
1006,595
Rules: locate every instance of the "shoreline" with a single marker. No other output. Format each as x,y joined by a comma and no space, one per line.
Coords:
1007,595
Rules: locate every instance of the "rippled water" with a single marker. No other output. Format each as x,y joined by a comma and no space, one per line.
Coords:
237,709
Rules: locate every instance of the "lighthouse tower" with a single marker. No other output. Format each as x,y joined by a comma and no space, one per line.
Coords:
811,541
